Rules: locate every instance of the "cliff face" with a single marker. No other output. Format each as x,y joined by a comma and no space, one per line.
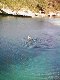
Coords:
34,5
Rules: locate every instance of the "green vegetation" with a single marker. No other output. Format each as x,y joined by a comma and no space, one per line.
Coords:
34,5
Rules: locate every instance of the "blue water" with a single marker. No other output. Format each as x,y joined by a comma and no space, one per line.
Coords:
23,59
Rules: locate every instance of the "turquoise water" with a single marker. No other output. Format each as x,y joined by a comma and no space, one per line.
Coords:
23,59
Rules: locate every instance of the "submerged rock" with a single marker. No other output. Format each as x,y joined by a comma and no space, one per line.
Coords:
47,42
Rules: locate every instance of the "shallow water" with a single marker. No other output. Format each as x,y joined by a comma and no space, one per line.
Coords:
23,59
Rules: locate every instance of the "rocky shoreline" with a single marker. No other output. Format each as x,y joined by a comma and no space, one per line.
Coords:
28,13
